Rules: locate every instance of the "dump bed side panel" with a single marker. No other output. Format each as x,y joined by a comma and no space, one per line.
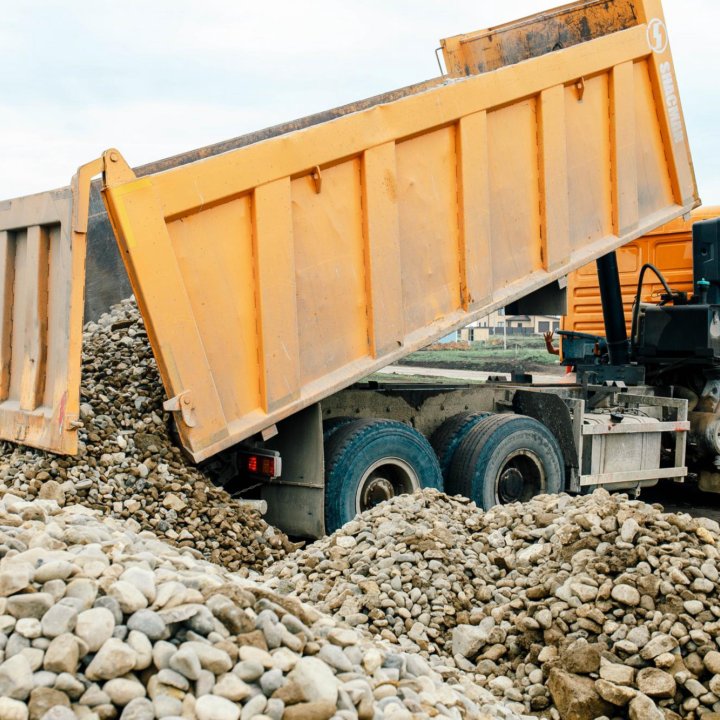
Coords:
669,248
106,281
41,286
272,276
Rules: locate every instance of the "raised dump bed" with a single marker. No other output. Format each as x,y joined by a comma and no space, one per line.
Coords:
276,269
274,275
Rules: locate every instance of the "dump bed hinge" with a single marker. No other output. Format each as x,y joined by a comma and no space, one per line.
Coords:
182,403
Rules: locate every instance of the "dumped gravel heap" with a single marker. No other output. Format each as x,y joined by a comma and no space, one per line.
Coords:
128,465
99,622
589,606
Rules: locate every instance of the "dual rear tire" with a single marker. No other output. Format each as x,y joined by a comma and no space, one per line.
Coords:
491,459
504,459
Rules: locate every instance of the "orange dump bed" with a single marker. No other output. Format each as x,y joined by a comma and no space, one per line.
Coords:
277,273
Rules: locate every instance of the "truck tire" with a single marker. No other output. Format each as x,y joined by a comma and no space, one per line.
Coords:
368,461
331,426
448,436
506,458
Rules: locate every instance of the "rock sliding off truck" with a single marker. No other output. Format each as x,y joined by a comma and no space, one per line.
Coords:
277,270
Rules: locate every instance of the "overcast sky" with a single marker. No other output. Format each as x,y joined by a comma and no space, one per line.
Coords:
157,77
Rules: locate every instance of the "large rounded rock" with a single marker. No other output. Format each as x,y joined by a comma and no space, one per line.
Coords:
33,605
114,659
580,657
14,580
62,655
655,683
94,627
643,708
626,594
16,678
147,622
138,709
212,707
317,680
121,691
575,696
43,699
13,709
616,694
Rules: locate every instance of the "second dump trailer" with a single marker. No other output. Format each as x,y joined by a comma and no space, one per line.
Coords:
275,271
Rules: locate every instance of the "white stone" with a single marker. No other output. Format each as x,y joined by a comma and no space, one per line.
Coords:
94,627
113,659
629,530
212,707
142,579
230,686
29,628
12,709
128,596
15,678
316,679
467,640
54,570
122,690
16,579
626,594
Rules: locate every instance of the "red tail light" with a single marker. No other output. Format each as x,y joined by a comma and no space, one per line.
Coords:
267,465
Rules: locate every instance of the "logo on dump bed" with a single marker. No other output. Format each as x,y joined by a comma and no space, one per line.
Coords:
671,102
657,36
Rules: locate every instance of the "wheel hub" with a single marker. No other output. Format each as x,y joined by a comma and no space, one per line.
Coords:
384,479
376,490
510,485
520,478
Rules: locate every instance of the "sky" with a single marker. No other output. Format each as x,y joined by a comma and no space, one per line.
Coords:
158,77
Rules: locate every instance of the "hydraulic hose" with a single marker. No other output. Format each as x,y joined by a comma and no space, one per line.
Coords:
638,295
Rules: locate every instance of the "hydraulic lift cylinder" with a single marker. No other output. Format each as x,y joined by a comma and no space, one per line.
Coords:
612,306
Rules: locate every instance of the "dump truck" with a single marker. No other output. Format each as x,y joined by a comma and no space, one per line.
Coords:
274,272
672,320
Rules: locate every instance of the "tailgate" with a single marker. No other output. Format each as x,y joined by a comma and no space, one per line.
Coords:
42,266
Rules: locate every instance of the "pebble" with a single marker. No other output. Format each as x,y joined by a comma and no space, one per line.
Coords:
212,707
94,627
608,594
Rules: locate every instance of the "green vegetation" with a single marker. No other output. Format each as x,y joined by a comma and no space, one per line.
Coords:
478,355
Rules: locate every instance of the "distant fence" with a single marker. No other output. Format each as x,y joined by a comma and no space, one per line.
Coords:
511,331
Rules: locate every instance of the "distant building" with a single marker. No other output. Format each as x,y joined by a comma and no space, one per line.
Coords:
494,324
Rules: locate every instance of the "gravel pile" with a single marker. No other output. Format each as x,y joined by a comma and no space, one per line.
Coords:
128,466
595,606
101,621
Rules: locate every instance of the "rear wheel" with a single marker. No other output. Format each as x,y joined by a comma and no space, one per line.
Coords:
331,426
370,461
448,436
505,459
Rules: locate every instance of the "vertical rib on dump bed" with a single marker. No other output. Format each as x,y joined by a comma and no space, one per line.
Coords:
278,273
